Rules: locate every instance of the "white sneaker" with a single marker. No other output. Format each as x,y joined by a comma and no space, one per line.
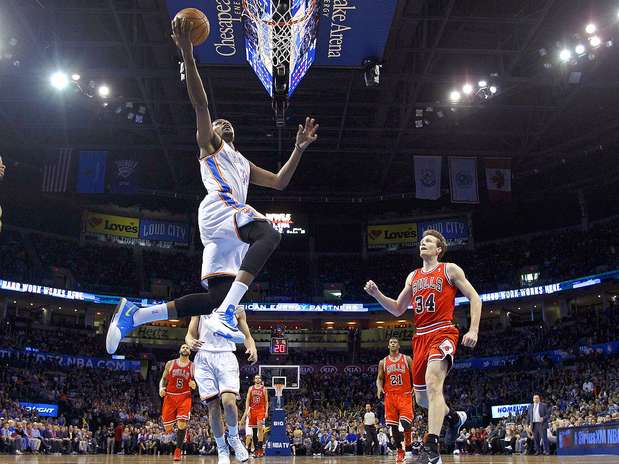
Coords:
223,323
223,455
239,448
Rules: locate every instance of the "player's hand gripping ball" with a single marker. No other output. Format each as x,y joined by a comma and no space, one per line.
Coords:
192,22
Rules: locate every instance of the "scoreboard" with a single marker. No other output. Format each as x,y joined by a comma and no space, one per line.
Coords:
279,345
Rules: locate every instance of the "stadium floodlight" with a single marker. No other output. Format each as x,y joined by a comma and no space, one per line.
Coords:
580,49
454,96
482,83
467,89
75,77
493,89
565,55
595,41
59,80
104,91
591,28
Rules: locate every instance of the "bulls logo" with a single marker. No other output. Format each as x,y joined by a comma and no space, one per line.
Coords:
352,370
328,370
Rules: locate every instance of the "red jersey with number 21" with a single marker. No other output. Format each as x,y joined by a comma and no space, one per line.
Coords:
397,375
433,298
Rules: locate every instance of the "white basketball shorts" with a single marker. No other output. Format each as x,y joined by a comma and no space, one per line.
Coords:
216,372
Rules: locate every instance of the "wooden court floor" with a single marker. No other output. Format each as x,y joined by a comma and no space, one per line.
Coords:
103,459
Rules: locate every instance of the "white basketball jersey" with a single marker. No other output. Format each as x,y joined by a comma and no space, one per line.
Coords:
210,341
226,173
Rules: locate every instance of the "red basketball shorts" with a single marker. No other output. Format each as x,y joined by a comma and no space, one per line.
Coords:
398,406
175,408
256,416
432,346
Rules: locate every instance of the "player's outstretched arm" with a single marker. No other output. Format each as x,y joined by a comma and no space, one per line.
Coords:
163,382
192,337
306,135
250,344
456,275
395,307
380,378
207,139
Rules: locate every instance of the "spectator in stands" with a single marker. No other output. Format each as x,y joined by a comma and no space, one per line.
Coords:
538,421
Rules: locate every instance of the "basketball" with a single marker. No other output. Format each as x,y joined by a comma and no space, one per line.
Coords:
200,27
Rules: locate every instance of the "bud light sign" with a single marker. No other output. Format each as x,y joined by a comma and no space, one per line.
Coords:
506,410
42,409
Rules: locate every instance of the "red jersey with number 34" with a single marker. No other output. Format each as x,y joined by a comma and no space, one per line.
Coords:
433,299
178,379
397,375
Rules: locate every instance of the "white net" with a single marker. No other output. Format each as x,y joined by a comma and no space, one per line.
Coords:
279,29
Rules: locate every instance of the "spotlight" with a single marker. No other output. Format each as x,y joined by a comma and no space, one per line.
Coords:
609,43
595,41
59,80
104,91
565,55
75,77
493,89
591,28
482,83
454,96
579,49
467,89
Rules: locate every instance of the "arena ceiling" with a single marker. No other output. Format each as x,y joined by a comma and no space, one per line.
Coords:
367,135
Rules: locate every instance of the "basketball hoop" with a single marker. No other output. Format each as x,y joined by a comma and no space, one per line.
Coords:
279,389
275,26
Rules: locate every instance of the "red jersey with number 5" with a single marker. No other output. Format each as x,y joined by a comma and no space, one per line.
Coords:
397,375
178,379
433,299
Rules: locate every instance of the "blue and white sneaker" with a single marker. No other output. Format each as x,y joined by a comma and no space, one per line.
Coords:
224,324
239,448
121,325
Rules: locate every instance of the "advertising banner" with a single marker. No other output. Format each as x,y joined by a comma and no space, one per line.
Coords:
456,230
505,410
107,224
65,360
42,409
589,439
384,235
163,231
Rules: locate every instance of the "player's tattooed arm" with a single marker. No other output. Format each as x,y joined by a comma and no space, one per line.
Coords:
306,135
457,277
395,307
192,338
250,344
164,382
380,378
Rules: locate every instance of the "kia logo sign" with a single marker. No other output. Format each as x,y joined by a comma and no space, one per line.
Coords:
352,370
307,369
373,369
328,370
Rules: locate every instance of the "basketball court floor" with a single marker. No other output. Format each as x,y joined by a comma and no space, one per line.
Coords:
103,459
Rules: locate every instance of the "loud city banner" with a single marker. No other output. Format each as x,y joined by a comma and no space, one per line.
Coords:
349,31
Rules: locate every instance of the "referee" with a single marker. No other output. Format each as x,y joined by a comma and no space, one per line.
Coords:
369,422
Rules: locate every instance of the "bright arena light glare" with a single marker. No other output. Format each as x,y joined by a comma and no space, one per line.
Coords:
75,77
467,89
579,49
454,96
493,89
59,80
482,83
591,28
104,91
565,55
595,41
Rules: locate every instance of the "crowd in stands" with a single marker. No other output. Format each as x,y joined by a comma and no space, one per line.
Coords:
556,255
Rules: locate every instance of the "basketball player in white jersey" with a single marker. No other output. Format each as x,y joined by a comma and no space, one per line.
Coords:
216,371
237,239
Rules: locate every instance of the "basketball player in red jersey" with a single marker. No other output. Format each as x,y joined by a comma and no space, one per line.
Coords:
175,388
257,406
431,290
394,380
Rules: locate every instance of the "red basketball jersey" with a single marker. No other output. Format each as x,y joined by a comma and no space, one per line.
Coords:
178,379
433,299
397,375
256,398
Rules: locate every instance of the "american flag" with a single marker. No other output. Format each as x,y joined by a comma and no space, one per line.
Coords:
56,174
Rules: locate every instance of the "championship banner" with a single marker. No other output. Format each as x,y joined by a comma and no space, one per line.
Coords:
463,180
428,177
65,360
499,179
384,235
123,178
162,231
107,224
42,409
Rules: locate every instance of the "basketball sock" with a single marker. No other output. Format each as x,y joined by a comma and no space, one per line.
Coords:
260,444
157,312
254,433
221,442
233,431
408,438
180,438
236,292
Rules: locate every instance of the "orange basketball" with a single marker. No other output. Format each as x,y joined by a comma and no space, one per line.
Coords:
200,27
